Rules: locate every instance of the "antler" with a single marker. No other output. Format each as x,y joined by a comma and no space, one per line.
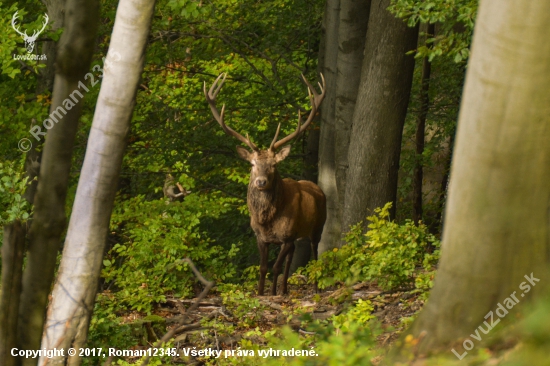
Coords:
16,28
315,100
46,19
211,99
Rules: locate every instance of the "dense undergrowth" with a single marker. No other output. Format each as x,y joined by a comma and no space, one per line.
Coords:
145,266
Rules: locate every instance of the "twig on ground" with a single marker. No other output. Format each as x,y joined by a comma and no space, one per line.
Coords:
207,286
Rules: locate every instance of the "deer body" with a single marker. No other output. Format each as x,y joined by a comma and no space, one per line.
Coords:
292,215
281,210
284,211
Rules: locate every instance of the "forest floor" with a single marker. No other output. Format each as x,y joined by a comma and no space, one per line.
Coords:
393,309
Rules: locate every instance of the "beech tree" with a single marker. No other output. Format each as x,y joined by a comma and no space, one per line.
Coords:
379,116
73,61
76,286
354,15
328,56
497,229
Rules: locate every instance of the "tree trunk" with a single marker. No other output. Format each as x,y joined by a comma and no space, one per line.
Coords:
302,252
74,292
73,61
379,116
352,31
327,174
44,84
13,246
497,216
420,136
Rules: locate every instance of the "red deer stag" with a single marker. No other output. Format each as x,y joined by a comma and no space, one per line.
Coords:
281,210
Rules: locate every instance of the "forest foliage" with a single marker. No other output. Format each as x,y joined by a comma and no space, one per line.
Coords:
263,46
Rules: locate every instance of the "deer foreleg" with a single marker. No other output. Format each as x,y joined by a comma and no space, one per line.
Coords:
285,247
263,249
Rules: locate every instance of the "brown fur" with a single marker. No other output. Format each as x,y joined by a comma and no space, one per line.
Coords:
281,211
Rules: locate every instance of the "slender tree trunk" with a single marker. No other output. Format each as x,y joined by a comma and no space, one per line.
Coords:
302,251
352,31
436,227
74,292
13,246
327,173
44,84
420,136
73,61
497,227
379,116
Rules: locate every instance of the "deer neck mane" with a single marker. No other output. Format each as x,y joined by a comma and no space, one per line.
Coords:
263,205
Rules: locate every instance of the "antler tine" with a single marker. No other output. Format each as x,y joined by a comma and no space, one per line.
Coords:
46,19
275,138
315,100
16,28
211,99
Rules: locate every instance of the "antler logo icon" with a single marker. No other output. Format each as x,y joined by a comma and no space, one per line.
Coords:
29,40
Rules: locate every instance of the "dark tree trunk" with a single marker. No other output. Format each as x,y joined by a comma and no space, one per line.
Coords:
379,116
302,252
12,269
44,84
352,31
73,62
421,134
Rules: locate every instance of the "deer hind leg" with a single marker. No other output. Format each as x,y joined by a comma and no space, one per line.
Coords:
289,256
315,239
285,247
263,249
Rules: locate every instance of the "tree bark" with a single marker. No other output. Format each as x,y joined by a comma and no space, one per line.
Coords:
497,216
44,84
74,292
73,61
420,135
13,247
352,31
327,174
379,116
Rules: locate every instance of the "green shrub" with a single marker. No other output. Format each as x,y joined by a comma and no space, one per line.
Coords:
244,305
388,253
13,184
152,239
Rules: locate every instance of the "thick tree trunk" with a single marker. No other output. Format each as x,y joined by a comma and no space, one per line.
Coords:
74,292
13,246
375,144
497,216
420,135
73,61
327,173
352,31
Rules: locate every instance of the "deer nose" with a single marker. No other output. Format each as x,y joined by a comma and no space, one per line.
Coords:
261,182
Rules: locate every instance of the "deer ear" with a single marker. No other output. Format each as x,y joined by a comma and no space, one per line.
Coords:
243,153
282,154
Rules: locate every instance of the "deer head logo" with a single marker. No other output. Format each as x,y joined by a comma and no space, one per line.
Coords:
29,40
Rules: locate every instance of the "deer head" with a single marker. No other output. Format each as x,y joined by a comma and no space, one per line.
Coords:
29,40
264,162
